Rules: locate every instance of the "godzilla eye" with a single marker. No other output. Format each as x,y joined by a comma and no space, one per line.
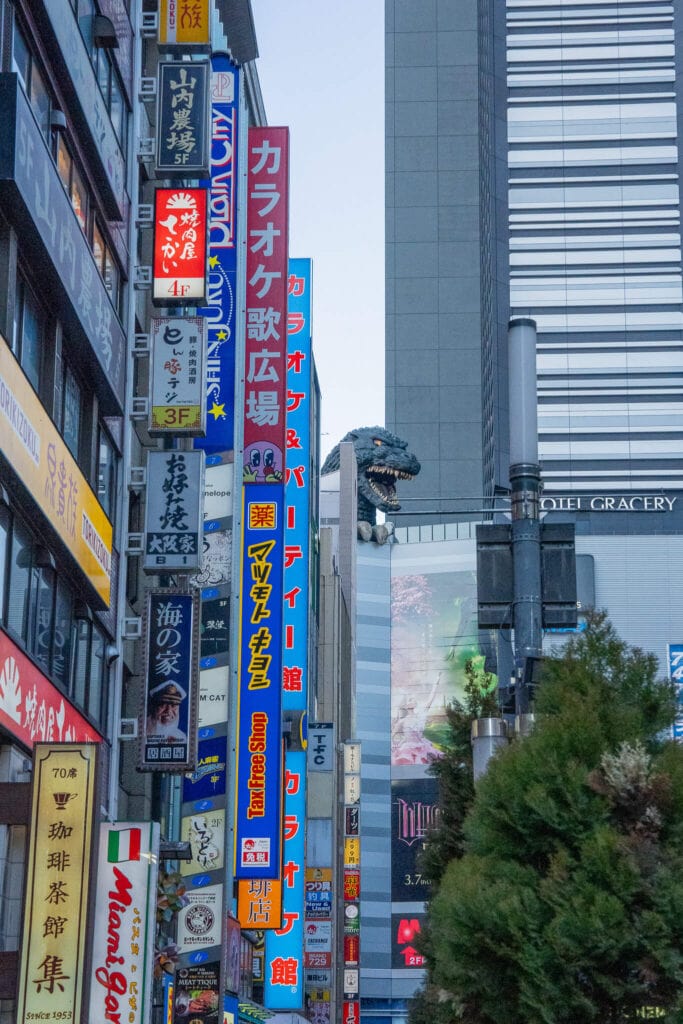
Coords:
377,441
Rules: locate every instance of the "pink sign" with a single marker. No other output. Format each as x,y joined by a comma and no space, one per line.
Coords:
265,368
31,708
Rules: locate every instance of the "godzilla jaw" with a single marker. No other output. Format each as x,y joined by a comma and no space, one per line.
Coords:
382,484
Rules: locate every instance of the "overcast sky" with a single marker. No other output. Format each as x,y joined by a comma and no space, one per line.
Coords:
321,68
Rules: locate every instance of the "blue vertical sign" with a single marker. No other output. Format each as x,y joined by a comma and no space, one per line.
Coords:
220,311
676,676
285,947
258,782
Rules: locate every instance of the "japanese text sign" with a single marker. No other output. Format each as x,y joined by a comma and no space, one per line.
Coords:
259,903
172,639
31,708
173,513
57,883
186,22
220,313
266,303
35,451
259,751
183,119
284,947
179,261
125,920
177,358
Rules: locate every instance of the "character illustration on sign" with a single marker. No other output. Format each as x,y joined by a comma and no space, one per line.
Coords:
163,713
383,459
263,463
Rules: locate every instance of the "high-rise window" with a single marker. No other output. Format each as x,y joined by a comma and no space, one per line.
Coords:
72,411
32,79
27,341
107,467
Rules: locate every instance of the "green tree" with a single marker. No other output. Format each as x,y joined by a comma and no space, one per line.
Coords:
567,901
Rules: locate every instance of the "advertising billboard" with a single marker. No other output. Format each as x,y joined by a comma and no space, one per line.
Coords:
173,511
259,742
266,334
179,251
177,373
220,311
34,449
182,149
124,922
404,931
31,708
414,810
675,661
167,718
53,953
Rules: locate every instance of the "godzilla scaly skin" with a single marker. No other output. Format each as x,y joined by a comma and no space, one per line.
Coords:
383,458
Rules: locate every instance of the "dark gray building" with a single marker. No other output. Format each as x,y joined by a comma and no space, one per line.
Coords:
447,270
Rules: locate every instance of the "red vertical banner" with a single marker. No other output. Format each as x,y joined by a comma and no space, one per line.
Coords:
265,367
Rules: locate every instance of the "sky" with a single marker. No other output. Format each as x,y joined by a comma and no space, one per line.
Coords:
321,68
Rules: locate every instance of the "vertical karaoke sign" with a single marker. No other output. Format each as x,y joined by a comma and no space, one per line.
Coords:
220,310
284,988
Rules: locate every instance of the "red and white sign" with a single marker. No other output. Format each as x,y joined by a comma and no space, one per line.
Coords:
317,960
265,368
31,708
180,246
125,922
350,1013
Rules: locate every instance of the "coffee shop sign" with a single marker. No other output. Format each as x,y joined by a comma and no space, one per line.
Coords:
608,503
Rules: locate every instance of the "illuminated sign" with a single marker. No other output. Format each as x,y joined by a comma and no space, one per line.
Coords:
179,261
259,903
352,851
182,119
35,451
404,931
177,357
173,511
266,330
31,708
53,953
186,22
125,922
259,753
171,656
220,312
414,810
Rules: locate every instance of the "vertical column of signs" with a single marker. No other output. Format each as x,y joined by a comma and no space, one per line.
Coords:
351,891
258,797
285,946
202,924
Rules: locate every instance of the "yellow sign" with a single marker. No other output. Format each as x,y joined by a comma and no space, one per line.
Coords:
35,451
57,882
259,903
352,853
184,22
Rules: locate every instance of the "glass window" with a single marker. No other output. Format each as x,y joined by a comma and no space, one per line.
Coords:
111,278
28,330
117,109
40,99
97,688
79,198
107,466
21,58
62,634
19,581
81,658
5,521
64,162
98,247
41,615
71,419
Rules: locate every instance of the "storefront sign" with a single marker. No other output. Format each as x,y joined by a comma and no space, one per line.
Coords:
173,511
205,832
31,708
352,758
125,922
259,746
351,852
183,119
607,503
351,883
259,903
197,994
220,312
35,451
199,923
184,22
179,262
352,820
53,953
350,1013
266,398
177,356
321,747
167,732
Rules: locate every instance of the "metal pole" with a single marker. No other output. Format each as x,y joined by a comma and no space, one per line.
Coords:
525,485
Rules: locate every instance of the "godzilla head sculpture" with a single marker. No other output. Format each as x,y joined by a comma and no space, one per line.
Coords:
383,458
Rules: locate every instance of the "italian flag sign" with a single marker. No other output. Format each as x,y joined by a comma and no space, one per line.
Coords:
124,845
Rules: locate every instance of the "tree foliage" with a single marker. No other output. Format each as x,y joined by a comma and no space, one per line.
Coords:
563,900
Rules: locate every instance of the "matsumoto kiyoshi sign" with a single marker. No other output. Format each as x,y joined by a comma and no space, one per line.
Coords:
607,503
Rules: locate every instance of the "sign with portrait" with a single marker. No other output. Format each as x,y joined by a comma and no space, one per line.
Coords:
53,952
168,718
173,512
177,355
